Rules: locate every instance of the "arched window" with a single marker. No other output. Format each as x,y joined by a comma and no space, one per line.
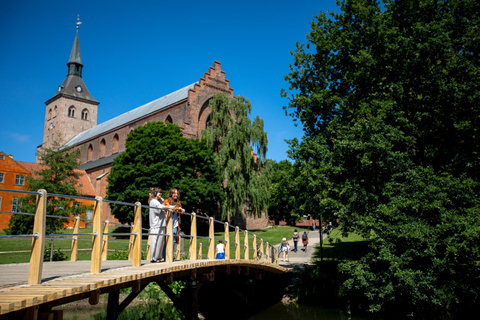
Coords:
71,112
49,114
102,148
55,112
84,114
169,120
208,123
89,153
115,144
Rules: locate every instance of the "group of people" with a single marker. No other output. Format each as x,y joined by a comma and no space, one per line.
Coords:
158,224
285,247
158,221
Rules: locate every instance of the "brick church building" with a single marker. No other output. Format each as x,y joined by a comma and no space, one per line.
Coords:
72,115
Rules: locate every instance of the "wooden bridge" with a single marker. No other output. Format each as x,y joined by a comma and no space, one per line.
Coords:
47,285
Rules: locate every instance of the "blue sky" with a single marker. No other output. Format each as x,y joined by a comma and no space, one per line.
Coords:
134,52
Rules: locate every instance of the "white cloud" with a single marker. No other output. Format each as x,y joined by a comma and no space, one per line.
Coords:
18,137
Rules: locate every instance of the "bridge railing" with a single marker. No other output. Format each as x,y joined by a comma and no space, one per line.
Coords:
260,250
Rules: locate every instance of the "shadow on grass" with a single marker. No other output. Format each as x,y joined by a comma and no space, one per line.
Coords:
343,250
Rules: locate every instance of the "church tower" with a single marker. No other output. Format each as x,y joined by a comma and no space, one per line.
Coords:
72,109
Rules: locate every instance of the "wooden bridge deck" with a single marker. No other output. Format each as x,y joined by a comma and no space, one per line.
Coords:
65,282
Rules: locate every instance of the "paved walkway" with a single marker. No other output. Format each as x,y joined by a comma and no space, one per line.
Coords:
300,258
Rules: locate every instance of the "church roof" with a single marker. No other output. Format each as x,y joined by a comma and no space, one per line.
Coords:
132,115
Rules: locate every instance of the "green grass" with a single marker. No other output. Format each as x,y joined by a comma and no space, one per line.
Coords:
271,235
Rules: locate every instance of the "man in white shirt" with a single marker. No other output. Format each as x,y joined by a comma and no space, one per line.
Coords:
157,225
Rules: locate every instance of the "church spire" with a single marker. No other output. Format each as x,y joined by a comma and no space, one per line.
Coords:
75,62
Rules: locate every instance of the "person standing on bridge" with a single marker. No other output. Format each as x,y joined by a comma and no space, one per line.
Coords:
157,224
173,199
220,250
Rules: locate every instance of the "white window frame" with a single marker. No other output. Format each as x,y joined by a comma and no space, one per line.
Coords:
2,157
19,180
15,204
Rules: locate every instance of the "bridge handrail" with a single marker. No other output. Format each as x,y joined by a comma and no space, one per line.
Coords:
100,236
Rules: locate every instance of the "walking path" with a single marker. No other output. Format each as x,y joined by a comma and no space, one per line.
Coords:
300,258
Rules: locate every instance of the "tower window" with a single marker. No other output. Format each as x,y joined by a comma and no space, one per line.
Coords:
49,114
71,112
2,176
55,112
169,120
85,114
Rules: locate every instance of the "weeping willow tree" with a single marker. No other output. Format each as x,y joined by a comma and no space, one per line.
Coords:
234,138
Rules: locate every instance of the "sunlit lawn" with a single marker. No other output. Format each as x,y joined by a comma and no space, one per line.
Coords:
64,245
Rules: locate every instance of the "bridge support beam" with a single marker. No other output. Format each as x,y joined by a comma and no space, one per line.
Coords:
114,307
191,312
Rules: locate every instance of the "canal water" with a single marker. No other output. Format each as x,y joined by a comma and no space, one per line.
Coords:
280,311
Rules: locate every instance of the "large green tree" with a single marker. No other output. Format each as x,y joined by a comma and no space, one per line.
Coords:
285,200
57,176
388,93
234,137
157,155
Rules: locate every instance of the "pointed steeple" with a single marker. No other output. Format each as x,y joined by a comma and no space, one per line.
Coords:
75,62
73,85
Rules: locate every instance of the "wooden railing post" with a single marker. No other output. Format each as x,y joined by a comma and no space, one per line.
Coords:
130,241
267,253
76,228
273,255
149,251
193,238
262,257
255,249
245,246
237,243
211,240
137,239
169,238
96,264
200,257
38,244
227,242
105,242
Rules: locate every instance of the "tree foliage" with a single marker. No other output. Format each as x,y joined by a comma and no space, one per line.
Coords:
388,95
233,136
157,155
57,176
285,201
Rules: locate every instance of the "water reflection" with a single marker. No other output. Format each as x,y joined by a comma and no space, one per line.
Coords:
302,312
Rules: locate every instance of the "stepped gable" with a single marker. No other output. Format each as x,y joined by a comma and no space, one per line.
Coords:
213,81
